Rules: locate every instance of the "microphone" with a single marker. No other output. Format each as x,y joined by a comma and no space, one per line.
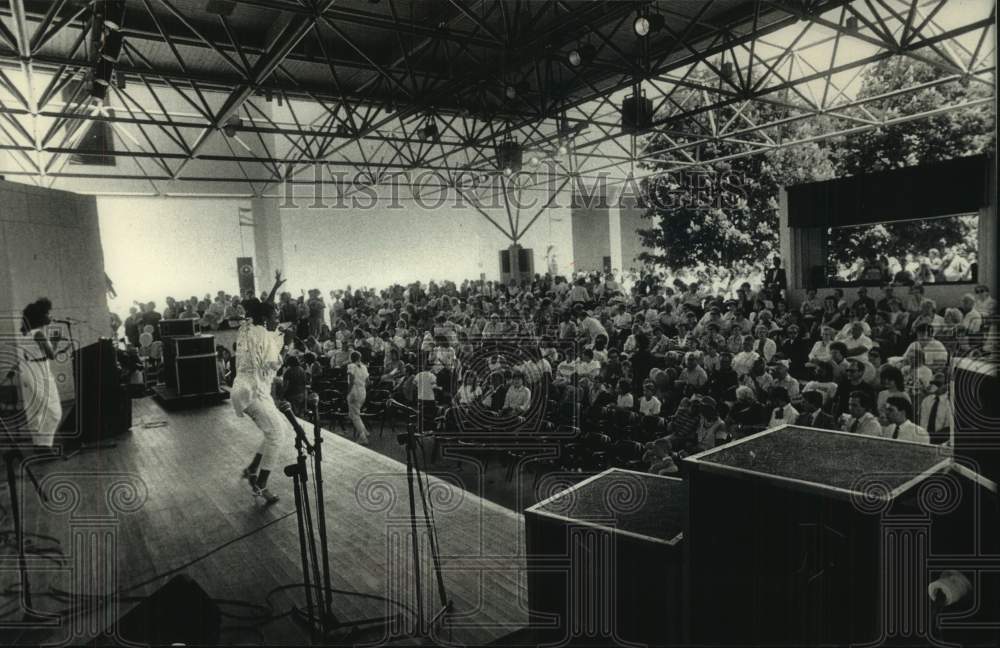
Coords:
300,434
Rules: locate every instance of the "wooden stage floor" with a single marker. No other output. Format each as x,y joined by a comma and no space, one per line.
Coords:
170,494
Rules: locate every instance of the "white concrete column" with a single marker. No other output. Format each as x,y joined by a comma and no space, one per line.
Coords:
268,241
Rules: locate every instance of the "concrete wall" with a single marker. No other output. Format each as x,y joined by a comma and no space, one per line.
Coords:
50,246
630,217
591,236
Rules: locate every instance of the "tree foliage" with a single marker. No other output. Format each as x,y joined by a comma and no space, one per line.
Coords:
692,226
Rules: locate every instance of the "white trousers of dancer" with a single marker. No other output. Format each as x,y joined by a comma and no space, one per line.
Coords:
355,401
276,428
42,407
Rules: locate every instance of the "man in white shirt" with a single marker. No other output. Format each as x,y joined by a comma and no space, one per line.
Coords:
857,341
861,420
744,361
900,427
781,410
778,377
763,345
972,320
935,353
935,411
589,326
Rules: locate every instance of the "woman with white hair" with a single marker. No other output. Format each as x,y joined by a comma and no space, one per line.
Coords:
820,352
746,416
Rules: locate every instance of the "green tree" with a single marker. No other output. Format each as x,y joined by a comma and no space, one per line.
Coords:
726,212
945,136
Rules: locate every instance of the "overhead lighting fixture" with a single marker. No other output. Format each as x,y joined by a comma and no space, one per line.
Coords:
114,14
120,80
641,26
511,92
233,124
582,55
727,70
852,23
111,46
563,149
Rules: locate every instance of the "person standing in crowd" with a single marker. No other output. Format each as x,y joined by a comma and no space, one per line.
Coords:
775,277
357,380
258,358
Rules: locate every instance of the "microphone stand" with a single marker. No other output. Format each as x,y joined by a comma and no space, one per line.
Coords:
13,456
323,615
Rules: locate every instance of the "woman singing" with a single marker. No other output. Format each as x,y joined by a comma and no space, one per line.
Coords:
357,376
39,392
258,358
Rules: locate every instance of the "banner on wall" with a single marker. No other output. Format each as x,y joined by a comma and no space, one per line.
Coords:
244,269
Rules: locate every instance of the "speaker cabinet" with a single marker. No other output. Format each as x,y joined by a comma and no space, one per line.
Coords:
604,560
637,114
103,407
180,614
193,361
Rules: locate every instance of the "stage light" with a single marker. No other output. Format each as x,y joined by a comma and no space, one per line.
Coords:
511,92
233,124
852,23
120,80
103,71
641,26
268,95
727,70
534,161
575,59
563,148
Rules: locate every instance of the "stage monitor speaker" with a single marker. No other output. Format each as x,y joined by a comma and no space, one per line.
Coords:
795,538
179,613
604,560
103,407
976,410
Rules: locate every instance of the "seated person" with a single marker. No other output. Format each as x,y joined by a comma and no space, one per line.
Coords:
899,412
649,404
812,412
517,400
782,411
625,400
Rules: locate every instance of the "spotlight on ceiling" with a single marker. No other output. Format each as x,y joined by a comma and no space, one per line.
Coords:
511,92
534,161
509,156
852,23
643,25
582,55
232,125
727,70
563,149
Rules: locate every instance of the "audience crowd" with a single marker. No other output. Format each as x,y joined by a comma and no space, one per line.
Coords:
646,367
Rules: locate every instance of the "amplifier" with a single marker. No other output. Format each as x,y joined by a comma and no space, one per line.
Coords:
193,345
196,375
604,560
175,327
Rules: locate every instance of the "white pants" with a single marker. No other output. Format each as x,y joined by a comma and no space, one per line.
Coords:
355,400
42,407
276,428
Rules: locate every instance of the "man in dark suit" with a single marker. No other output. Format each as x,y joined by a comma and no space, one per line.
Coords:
813,414
775,278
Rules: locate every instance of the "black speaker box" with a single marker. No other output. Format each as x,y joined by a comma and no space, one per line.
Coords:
637,113
193,345
103,407
197,375
179,613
